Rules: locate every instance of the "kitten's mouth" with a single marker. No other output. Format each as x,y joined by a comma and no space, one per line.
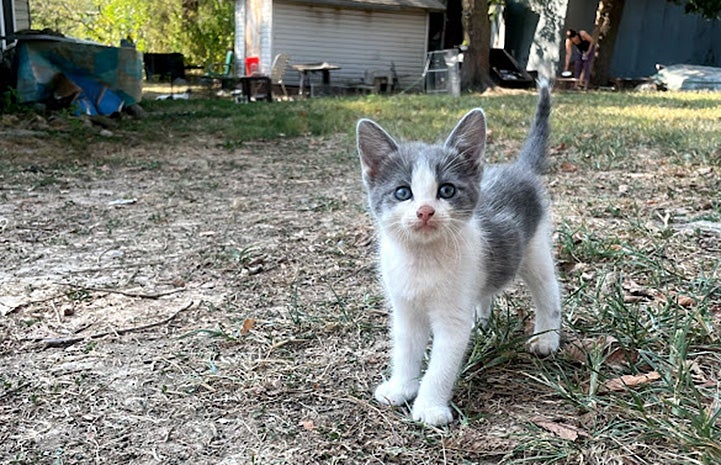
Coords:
425,227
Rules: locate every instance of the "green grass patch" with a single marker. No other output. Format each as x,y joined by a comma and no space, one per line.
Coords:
599,127
300,337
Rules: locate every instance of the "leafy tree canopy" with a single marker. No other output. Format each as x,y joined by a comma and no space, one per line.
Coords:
708,8
202,30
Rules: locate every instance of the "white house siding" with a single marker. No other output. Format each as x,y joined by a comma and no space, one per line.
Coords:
354,39
17,20
22,15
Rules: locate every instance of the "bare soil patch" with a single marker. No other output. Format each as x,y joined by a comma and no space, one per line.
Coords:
257,263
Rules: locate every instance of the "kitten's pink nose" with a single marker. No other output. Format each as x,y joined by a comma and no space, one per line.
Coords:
425,213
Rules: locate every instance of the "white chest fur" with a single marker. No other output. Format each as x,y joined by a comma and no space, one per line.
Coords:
445,271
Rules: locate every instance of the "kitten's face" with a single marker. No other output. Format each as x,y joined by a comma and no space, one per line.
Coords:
425,192
420,192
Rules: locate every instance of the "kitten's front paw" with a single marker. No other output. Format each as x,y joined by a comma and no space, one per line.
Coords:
434,415
544,344
395,393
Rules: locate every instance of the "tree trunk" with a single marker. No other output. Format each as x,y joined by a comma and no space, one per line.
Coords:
477,36
608,18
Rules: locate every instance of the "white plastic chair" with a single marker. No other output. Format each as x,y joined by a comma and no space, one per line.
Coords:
277,70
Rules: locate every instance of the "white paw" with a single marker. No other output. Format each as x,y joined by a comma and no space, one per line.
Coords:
544,344
482,322
394,393
482,315
435,415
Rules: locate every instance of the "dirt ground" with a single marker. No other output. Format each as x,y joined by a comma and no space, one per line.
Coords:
188,303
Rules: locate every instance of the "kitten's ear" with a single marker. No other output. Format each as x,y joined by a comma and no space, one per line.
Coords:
468,138
374,145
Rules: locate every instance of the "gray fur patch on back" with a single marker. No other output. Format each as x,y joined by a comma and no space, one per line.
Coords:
511,206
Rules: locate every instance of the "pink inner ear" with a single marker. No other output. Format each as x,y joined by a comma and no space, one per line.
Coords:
369,171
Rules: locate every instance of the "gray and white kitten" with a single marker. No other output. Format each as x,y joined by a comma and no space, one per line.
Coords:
453,233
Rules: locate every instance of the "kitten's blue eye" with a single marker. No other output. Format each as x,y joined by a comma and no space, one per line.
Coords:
446,191
403,193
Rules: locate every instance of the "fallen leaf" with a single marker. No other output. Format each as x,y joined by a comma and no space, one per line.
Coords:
562,430
567,167
686,301
578,237
716,311
698,375
559,148
248,324
307,425
660,296
682,300
577,351
628,381
614,354
637,293
705,171
679,173
636,289
620,357
707,205
609,283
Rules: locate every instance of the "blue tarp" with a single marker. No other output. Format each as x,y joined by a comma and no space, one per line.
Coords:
104,78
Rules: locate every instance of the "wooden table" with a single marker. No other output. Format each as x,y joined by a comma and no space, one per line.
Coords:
305,68
570,83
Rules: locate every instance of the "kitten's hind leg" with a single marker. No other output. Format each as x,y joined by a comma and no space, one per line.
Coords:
539,273
483,311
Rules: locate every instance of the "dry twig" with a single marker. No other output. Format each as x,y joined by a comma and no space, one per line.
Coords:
155,295
15,389
51,342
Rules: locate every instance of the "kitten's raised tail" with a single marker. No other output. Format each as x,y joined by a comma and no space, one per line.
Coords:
533,153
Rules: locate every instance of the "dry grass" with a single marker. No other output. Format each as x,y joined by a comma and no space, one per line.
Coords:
275,360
